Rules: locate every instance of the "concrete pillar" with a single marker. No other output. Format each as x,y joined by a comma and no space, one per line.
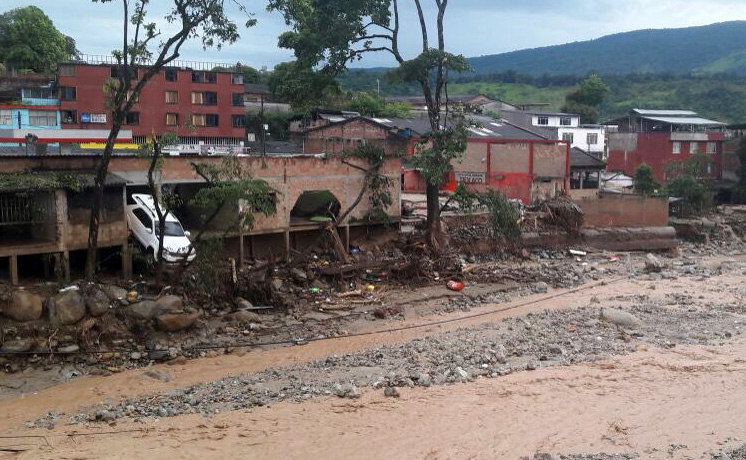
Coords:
347,238
582,179
287,245
13,260
240,250
126,261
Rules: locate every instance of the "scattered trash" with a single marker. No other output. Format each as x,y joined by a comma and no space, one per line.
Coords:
575,252
370,288
455,286
315,290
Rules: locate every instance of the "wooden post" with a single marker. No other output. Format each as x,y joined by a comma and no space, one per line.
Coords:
240,246
126,261
347,238
13,270
66,265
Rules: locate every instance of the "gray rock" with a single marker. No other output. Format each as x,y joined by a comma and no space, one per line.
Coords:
145,310
425,380
135,355
347,391
620,317
277,284
244,317
68,349
97,302
462,374
653,264
170,303
299,275
158,374
174,322
66,308
17,346
391,392
243,304
23,306
541,287
114,293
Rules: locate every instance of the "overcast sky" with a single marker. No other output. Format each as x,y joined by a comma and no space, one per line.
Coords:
474,27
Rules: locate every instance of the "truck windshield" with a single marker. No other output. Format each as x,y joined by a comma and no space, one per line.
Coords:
172,229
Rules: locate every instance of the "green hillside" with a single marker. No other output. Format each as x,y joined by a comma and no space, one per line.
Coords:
713,48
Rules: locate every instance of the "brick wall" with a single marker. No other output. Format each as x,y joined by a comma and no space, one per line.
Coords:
625,211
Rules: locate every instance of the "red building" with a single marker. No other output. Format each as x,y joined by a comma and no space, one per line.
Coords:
663,138
199,106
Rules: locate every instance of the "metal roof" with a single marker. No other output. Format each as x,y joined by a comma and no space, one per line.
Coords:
665,113
686,121
581,159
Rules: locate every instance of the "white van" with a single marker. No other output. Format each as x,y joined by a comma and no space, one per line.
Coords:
142,220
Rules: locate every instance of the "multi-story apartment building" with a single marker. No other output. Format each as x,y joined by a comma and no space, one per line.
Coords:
200,106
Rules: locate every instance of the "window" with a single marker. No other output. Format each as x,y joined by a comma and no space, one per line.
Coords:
237,79
68,93
676,149
6,117
198,119
172,119
171,74
204,77
132,118
566,121
42,118
568,137
172,97
711,148
37,93
67,70
237,99
69,117
591,139
239,121
116,72
211,119
543,121
144,218
205,98
693,148
129,96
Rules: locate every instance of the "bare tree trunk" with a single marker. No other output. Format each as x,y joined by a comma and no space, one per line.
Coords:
155,193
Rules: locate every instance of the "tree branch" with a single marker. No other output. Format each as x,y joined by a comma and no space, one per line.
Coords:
423,26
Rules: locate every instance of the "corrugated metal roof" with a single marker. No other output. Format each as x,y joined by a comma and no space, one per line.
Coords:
665,113
686,121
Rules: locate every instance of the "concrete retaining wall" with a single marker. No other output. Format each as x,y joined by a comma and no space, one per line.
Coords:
625,211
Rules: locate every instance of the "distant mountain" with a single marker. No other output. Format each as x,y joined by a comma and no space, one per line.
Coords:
716,48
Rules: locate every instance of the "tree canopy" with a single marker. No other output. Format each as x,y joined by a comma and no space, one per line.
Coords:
585,100
30,41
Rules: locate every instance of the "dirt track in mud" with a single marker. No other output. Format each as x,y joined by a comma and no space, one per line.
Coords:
650,403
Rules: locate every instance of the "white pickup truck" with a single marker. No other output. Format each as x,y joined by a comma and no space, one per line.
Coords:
142,220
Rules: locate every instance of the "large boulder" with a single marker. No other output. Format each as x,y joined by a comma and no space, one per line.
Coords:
23,306
97,302
620,317
174,322
170,303
145,310
245,317
653,264
66,308
115,293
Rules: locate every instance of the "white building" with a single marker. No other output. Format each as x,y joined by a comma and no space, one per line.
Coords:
561,126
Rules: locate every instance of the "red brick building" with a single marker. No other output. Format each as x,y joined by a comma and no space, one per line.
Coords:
198,106
661,138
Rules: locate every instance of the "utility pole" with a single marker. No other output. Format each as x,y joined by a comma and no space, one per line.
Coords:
264,130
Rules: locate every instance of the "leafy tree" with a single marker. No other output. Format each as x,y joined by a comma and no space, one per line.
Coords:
329,34
250,74
302,87
695,195
29,40
645,183
585,100
375,106
202,19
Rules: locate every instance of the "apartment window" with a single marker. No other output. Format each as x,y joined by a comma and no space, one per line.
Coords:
693,148
38,93
211,119
239,121
711,148
129,96
237,99
69,117
116,71
565,121
172,97
543,121
591,138
132,118
6,117
569,137
171,74
172,119
198,119
42,118
204,77
676,149
204,98
237,79
67,70
68,93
